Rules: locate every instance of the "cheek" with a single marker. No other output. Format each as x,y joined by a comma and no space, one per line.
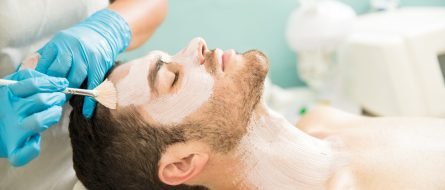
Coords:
195,90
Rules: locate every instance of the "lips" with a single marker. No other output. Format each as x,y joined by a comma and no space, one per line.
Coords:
224,58
219,58
227,56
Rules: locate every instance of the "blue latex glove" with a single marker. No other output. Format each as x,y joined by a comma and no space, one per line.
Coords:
88,49
28,107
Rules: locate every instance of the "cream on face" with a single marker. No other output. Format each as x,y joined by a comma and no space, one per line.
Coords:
194,90
134,88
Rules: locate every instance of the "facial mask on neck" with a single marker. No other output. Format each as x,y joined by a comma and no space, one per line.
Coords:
279,156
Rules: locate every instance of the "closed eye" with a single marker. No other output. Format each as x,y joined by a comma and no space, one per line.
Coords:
176,79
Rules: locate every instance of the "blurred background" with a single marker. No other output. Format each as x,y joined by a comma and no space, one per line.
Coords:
241,25
373,57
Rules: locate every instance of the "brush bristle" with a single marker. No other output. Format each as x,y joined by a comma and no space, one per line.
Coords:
106,94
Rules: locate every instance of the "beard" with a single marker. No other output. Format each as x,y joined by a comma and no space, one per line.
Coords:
224,120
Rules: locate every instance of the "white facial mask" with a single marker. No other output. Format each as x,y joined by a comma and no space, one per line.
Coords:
196,89
134,88
276,155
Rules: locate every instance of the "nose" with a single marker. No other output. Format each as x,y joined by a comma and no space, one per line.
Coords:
202,49
198,47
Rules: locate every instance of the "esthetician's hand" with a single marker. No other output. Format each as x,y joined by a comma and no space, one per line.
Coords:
27,108
87,50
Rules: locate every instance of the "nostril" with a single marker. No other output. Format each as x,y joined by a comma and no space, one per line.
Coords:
202,50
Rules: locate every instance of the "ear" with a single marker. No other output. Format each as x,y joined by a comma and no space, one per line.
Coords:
178,165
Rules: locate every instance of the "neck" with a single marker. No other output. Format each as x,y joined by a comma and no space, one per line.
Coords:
274,154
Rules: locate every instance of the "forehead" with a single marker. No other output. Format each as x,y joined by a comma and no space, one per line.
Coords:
131,79
122,70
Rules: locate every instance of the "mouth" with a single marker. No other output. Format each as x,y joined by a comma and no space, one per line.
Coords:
224,58
219,58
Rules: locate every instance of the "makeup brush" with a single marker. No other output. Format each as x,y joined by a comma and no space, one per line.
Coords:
105,93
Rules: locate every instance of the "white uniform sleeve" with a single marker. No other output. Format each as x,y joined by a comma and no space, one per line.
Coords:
26,25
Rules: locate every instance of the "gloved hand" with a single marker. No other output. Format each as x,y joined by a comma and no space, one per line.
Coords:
88,49
27,108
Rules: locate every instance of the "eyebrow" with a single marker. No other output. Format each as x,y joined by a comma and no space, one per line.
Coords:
154,73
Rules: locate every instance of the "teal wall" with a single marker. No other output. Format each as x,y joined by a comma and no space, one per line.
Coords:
242,25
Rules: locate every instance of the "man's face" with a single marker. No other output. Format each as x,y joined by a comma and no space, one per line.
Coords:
210,93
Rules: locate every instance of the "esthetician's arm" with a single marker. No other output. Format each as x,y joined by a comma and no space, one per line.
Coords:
143,17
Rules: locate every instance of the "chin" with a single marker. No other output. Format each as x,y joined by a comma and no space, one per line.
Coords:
257,66
257,60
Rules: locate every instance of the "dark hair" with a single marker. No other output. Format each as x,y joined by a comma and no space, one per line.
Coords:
119,151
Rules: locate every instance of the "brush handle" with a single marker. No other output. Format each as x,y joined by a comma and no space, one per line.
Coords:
74,91
81,92
4,82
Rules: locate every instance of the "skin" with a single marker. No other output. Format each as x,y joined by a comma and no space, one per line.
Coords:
187,79
243,139
233,86
232,102
143,17
382,152
157,81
